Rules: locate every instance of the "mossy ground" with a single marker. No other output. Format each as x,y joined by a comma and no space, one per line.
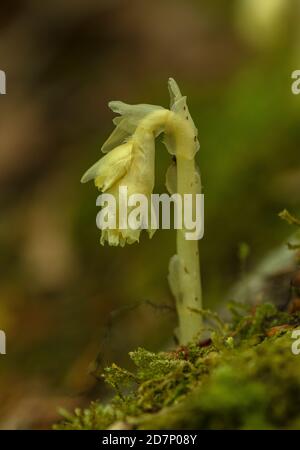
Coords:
245,376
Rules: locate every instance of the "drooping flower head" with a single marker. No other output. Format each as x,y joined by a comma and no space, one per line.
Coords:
130,155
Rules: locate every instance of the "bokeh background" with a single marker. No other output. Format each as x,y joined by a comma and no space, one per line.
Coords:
65,301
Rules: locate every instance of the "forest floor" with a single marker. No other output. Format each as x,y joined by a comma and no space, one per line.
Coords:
245,376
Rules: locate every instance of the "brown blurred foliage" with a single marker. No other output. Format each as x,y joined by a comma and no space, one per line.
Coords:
59,290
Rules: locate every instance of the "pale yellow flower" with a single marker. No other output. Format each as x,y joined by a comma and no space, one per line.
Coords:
130,153
129,164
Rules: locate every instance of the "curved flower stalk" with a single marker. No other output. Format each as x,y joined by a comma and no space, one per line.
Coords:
129,164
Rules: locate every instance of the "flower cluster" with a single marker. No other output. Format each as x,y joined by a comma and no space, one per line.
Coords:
130,154
129,162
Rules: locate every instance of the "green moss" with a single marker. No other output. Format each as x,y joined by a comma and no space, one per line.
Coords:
245,377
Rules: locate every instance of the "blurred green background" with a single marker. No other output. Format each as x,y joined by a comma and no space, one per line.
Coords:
65,300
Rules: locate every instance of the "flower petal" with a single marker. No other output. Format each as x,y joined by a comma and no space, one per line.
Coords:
127,123
179,106
111,167
137,111
174,91
117,137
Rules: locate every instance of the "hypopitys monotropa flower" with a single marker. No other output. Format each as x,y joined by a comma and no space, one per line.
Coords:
129,164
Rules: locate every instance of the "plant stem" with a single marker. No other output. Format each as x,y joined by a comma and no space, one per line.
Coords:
190,292
184,268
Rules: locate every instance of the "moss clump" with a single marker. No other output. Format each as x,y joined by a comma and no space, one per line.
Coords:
246,376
